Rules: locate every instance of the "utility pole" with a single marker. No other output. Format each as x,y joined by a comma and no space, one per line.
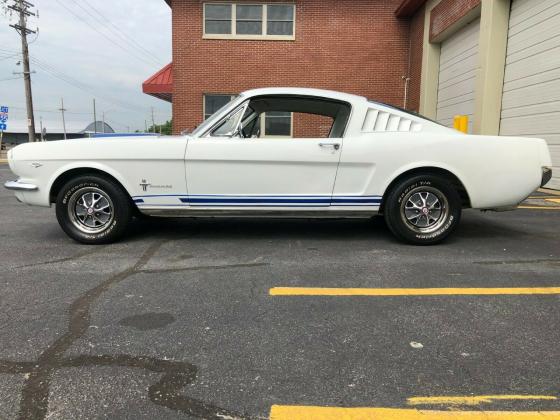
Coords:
94,118
62,109
103,127
145,126
41,125
153,121
22,7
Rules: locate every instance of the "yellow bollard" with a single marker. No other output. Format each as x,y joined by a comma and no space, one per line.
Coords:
461,123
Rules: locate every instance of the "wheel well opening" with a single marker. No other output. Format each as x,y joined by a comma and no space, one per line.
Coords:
73,173
443,173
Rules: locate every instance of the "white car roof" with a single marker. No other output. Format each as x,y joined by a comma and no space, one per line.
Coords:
331,94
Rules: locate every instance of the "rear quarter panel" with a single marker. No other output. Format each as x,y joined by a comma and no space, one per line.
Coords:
496,171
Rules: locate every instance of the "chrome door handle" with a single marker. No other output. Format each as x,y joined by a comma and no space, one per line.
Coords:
335,146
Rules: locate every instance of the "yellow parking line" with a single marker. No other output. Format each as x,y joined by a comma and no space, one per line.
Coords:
473,400
553,200
282,412
3,161
540,207
322,291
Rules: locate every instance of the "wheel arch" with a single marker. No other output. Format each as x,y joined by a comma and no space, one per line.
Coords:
68,173
430,170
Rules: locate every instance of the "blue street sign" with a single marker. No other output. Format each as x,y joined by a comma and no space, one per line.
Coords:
3,118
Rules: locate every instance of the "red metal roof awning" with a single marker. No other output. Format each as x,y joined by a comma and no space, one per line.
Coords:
160,84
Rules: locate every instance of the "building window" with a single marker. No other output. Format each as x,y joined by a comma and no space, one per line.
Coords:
276,124
213,103
249,21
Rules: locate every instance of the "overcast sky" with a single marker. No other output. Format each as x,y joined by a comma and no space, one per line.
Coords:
80,54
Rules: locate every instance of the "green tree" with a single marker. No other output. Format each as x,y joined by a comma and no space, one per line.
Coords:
165,129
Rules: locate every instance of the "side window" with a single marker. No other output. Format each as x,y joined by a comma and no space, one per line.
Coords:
285,116
228,126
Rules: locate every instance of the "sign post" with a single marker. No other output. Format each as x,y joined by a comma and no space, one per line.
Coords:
3,122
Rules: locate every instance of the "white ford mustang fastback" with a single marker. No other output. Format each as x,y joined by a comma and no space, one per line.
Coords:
369,159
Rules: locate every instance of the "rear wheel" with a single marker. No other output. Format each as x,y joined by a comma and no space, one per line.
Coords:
423,209
93,210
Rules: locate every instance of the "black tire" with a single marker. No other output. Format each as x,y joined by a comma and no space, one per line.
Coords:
423,225
103,227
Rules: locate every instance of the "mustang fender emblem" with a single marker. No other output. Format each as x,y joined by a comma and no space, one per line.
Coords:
144,184
36,165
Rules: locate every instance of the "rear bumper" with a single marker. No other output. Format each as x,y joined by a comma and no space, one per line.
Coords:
20,186
546,176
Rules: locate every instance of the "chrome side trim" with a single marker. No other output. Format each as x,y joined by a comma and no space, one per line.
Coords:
20,186
323,214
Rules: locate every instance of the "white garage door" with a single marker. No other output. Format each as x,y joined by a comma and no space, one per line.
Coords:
457,75
531,100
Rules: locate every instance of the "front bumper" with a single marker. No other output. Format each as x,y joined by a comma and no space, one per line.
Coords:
20,186
546,176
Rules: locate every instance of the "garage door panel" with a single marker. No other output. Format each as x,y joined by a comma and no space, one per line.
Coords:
531,125
469,54
457,76
539,13
535,79
555,153
533,64
461,108
542,39
519,8
457,90
457,101
460,43
531,95
461,69
541,108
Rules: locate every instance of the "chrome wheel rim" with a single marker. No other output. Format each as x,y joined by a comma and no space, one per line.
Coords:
424,209
91,210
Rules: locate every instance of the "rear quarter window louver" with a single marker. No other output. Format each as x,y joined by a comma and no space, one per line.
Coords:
381,121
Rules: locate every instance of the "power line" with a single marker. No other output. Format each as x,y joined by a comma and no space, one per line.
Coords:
106,22
11,78
112,41
79,85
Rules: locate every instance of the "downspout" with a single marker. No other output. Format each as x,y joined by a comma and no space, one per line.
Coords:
407,77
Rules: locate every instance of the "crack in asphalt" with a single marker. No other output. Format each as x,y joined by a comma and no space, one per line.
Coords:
166,392
60,260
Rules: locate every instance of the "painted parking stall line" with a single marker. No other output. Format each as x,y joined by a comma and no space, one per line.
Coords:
472,400
279,412
437,291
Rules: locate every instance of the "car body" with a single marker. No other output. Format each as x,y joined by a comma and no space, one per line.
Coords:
225,168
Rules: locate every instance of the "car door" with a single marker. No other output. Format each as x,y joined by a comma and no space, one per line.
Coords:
228,171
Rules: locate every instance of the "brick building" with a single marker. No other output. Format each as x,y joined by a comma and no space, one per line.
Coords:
497,61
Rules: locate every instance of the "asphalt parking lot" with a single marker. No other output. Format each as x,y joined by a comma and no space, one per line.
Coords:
206,319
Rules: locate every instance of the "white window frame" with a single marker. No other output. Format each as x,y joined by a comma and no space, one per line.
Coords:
263,134
234,34
213,94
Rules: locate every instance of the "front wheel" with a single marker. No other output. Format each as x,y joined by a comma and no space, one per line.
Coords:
93,210
423,209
